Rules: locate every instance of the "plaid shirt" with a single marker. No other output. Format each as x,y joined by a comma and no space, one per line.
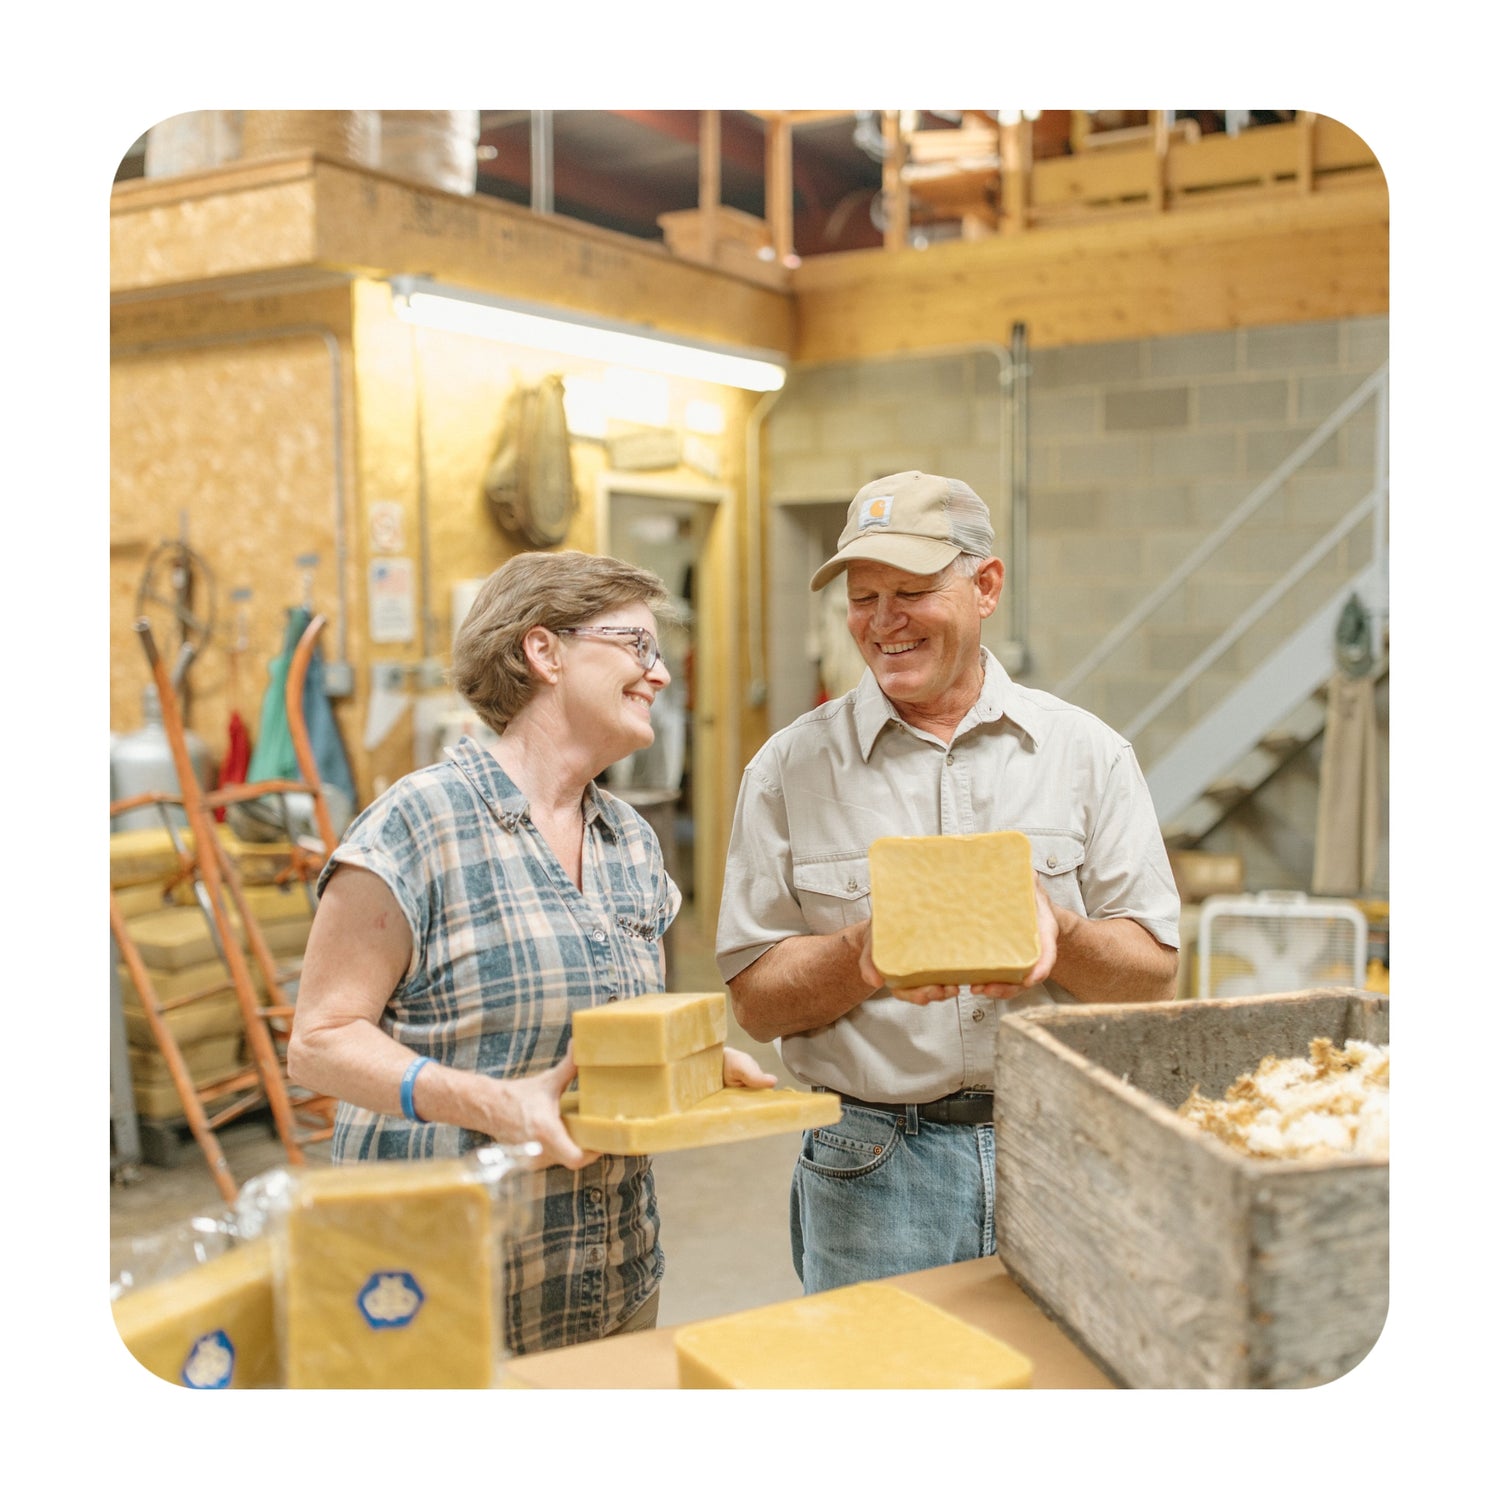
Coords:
504,949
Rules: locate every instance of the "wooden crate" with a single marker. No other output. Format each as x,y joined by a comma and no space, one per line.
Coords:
1177,1261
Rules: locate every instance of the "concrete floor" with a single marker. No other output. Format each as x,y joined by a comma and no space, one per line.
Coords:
723,1208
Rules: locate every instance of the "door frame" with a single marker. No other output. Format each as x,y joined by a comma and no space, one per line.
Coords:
716,684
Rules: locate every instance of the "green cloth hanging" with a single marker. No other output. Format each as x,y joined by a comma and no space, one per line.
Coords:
274,757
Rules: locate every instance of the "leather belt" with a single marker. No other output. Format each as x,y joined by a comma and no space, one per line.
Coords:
954,1109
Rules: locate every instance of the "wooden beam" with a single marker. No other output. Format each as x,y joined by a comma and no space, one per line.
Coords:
708,180
893,184
779,187
1015,177
1290,259
743,147
303,214
802,116
1307,152
1160,139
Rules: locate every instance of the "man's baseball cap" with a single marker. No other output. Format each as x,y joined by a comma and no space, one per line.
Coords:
916,522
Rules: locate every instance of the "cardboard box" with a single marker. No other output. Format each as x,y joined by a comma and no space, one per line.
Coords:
1176,1261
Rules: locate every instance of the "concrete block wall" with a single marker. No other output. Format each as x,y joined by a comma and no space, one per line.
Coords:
1137,450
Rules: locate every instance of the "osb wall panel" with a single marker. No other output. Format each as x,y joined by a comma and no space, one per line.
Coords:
431,406
178,231
229,442
430,410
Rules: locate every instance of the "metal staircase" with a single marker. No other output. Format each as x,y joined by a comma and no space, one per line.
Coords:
1222,727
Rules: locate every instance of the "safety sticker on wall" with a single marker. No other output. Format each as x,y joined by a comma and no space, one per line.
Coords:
392,600
387,526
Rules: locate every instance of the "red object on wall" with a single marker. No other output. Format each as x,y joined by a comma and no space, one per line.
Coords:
236,758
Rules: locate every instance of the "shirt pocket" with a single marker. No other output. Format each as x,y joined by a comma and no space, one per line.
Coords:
648,925
1057,856
833,893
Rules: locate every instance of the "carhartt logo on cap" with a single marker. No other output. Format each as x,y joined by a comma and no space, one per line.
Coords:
875,511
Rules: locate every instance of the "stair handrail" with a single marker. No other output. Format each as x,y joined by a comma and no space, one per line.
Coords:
1278,590
1257,497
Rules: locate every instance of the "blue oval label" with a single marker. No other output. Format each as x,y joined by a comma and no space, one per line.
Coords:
390,1299
210,1362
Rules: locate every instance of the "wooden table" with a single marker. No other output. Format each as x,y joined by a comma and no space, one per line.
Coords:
978,1291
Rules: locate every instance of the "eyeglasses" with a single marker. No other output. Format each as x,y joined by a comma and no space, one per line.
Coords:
642,642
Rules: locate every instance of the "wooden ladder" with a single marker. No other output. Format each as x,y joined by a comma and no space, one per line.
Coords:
301,1117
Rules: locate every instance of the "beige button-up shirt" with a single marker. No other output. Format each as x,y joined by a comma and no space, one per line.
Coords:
820,791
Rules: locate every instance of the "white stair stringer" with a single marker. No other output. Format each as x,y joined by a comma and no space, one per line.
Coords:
1227,745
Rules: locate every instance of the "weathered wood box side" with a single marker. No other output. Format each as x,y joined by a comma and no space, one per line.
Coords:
1177,1261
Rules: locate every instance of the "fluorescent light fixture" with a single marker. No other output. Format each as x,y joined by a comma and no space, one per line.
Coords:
704,416
563,331
637,396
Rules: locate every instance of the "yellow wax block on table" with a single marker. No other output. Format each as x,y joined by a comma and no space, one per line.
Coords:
731,1114
869,1336
212,1326
649,1028
389,1278
650,1088
956,909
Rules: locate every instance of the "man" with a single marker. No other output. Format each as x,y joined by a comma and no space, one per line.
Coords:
935,739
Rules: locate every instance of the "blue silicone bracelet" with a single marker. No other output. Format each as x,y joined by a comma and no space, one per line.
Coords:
408,1082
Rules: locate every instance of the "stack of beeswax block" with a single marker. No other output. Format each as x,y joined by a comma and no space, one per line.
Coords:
649,1056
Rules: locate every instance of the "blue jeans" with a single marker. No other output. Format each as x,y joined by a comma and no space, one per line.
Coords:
878,1194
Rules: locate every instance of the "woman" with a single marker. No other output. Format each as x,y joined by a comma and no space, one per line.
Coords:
476,904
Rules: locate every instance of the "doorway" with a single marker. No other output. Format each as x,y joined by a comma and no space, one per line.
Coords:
675,530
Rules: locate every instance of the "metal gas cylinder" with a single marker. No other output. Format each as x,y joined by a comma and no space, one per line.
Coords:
142,762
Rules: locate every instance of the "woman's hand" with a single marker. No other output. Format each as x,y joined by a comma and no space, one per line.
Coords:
529,1109
742,1071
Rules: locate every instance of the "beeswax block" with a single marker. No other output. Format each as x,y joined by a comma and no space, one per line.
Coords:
389,1278
214,1015
161,1101
211,1327
868,1336
731,1114
137,855
650,1088
956,909
205,1058
176,938
649,1028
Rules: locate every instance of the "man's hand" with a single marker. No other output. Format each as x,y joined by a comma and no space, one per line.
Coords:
1046,926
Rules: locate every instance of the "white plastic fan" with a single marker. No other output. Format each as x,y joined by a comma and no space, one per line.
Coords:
1277,941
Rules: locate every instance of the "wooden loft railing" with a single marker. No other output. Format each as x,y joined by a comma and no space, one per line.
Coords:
984,177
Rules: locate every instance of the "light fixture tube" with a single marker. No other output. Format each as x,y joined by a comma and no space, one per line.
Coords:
563,331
